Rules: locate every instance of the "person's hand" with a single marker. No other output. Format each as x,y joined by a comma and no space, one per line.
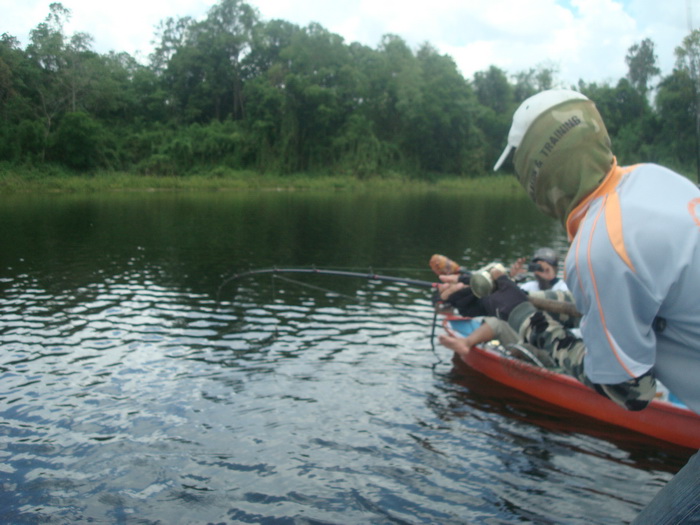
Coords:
460,296
450,284
518,268
448,289
504,299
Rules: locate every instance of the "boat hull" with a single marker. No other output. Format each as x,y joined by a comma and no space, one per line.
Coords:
661,420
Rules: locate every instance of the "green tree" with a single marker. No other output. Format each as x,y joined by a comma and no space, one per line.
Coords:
78,142
268,40
444,131
201,62
13,107
314,105
264,92
627,116
232,90
59,73
641,61
358,148
46,54
128,93
532,81
394,98
171,36
497,104
675,102
8,61
618,105
688,60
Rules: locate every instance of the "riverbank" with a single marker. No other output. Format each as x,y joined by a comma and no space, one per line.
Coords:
36,180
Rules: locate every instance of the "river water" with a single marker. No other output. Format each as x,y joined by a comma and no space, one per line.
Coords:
139,384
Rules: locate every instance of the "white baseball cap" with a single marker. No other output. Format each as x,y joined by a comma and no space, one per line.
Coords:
529,110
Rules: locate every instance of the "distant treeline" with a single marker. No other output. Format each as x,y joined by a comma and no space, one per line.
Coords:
234,92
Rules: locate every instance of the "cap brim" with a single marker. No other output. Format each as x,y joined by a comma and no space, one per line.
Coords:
502,158
544,259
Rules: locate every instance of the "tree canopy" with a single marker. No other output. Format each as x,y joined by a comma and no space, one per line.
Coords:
237,91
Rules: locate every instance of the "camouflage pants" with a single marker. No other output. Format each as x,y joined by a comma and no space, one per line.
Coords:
542,331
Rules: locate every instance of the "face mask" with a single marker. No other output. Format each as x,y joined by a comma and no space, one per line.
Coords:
563,157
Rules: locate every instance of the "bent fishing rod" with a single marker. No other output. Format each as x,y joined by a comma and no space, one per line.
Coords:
549,305
337,273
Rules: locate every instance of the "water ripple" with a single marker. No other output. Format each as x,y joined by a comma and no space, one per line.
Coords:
122,400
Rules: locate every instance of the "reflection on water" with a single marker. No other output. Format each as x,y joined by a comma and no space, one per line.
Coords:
133,390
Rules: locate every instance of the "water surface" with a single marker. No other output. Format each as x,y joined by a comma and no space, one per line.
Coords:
137,387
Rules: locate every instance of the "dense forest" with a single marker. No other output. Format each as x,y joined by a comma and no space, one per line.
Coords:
233,92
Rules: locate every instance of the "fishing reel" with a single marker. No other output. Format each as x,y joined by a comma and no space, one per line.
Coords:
482,282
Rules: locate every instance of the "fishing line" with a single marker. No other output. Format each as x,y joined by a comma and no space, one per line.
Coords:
326,290
372,276
314,287
432,341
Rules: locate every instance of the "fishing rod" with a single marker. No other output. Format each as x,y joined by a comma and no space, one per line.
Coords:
550,305
337,273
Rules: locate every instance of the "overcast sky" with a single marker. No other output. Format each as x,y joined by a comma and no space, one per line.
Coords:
583,39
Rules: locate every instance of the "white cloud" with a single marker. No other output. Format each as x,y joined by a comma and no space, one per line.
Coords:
585,39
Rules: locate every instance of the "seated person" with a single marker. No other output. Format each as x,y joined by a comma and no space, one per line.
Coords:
540,330
455,292
545,264
490,328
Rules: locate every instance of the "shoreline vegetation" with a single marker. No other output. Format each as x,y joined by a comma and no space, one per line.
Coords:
234,101
19,181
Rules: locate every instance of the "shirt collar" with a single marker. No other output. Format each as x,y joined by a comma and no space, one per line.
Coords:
608,185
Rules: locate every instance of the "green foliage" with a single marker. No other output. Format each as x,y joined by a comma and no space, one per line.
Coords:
641,61
78,142
234,92
31,137
618,105
676,117
495,112
359,151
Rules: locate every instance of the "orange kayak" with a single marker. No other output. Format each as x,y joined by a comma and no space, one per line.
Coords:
661,419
